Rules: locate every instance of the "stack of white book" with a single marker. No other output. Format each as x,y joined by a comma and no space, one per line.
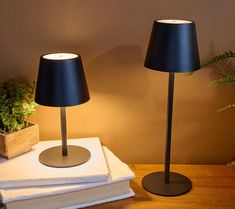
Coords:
26,183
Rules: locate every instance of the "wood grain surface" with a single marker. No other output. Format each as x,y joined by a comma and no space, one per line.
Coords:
213,188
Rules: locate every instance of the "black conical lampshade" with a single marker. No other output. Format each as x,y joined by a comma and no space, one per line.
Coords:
173,47
61,81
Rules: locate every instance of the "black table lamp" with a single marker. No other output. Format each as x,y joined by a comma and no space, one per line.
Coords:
61,82
172,48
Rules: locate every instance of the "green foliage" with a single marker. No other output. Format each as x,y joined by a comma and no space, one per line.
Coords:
226,70
224,80
16,105
227,107
217,58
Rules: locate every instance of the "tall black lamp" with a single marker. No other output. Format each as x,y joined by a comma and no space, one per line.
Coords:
61,82
172,48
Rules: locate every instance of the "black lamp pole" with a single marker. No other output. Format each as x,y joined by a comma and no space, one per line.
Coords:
169,126
172,48
63,131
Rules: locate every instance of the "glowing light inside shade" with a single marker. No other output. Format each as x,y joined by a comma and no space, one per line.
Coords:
175,21
60,56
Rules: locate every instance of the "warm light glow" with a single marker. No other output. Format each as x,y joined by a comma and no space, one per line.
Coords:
175,21
60,56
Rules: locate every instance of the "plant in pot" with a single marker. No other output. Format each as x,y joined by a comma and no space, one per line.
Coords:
17,134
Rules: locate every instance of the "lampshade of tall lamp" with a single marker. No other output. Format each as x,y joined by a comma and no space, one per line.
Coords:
61,82
173,49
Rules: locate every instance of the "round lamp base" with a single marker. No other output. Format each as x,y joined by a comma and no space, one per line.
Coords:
178,185
53,157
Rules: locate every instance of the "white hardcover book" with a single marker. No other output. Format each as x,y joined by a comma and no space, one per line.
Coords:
26,170
74,195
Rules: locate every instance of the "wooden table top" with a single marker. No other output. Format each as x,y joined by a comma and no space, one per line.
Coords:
213,188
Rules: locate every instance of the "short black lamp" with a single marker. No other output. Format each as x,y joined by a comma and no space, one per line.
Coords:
61,82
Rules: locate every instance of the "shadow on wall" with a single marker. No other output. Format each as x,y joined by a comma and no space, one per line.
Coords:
200,134
196,138
119,71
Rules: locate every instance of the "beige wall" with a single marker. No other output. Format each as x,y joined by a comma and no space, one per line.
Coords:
128,102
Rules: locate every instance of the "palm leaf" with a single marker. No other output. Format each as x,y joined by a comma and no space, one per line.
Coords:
224,80
225,68
215,59
231,106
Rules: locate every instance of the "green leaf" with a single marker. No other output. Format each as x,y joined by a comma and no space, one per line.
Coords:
16,105
217,58
226,79
226,107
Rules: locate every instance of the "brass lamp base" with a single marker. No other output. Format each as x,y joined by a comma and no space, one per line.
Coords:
53,157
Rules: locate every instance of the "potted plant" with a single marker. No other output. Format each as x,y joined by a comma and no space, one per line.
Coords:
17,134
225,69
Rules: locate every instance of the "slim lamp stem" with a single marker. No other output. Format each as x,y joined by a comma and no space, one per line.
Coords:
63,131
169,126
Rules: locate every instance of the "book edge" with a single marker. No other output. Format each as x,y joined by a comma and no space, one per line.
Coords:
111,199
92,201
